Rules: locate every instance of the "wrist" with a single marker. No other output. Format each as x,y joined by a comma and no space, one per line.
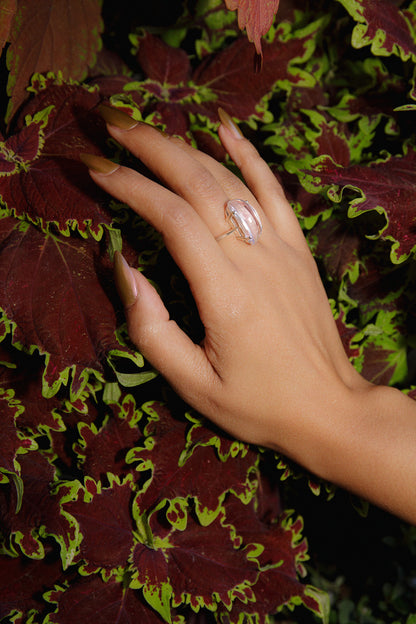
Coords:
345,440
368,447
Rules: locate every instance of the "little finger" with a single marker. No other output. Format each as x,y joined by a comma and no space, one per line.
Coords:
262,182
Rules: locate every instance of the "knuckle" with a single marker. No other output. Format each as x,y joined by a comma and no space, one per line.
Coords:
144,335
273,188
201,182
247,154
177,141
177,217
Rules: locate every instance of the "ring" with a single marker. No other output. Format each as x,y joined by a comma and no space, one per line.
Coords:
244,219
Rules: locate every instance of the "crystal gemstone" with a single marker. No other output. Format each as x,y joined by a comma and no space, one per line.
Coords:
245,220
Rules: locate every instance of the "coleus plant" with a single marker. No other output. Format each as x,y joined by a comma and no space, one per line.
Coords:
118,503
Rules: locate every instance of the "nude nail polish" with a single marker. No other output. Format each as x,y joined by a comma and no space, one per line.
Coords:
124,279
98,163
115,117
229,124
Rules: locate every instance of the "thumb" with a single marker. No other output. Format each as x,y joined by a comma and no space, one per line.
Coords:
183,363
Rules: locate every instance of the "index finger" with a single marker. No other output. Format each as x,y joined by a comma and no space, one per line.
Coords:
187,238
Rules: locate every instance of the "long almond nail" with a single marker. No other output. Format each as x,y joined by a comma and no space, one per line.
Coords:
125,282
98,163
229,124
117,118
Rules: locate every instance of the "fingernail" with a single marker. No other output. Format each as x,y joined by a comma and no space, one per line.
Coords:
117,118
98,163
228,123
125,282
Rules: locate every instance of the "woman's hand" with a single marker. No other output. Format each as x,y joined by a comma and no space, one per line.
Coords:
271,369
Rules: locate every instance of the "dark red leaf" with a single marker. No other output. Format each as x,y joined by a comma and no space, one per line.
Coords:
336,244
308,98
11,442
24,375
174,477
181,557
92,600
110,65
347,333
330,142
226,79
173,117
7,11
329,137
273,590
207,143
111,85
284,551
105,524
22,147
83,410
39,508
383,360
256,16
309,204
306,129
23,581
49,184
269,505
226,447
162,62
383,25
387,187
52,35
378,288
379,294
72,116
381,98
231,79
51,289
104,451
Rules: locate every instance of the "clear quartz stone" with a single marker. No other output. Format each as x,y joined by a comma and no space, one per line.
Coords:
244,217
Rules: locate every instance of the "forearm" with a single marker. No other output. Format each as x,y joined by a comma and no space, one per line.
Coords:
370,449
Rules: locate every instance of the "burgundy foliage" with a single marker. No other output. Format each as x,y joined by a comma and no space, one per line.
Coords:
89,598
58,317
105,523
255,16
48,184
175,476
118,503
386,187
46,36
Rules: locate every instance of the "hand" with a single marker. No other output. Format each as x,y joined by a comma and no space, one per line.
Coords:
272,363
271,369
